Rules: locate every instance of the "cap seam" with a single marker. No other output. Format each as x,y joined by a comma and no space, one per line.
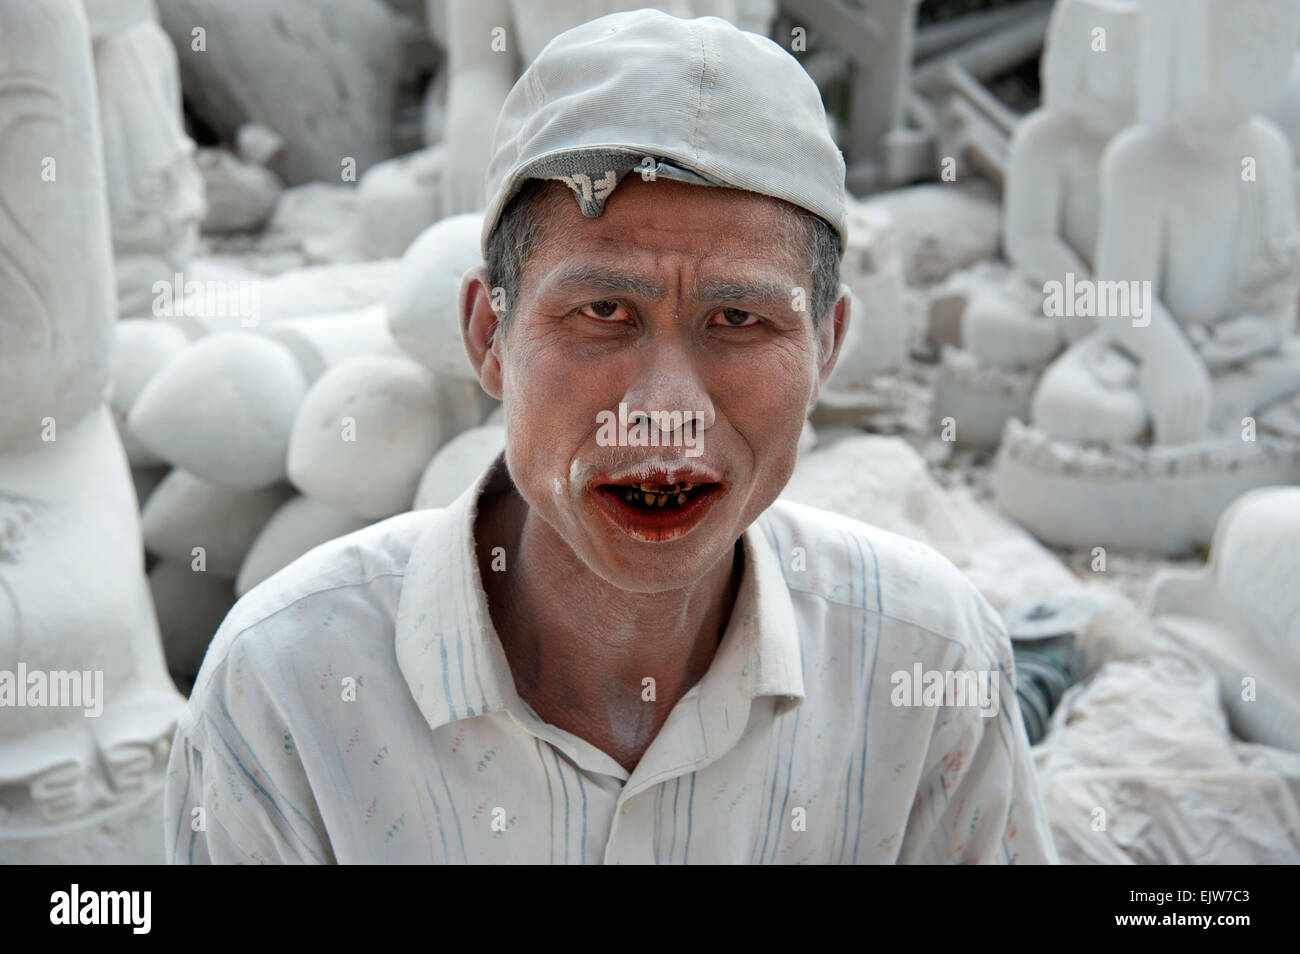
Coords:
698,125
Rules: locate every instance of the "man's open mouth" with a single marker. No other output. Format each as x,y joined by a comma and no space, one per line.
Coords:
656,509
659,496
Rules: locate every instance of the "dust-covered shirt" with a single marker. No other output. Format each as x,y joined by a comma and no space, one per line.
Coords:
358,707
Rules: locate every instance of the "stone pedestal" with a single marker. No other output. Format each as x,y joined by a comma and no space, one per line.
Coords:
1151,499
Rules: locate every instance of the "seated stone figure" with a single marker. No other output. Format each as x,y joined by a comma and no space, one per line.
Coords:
86,706
1201,204
1198,218
155,190
1049,226
1053,189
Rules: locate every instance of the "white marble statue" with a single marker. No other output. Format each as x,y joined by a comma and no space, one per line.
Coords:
1053,189
1146,427
81,757
1223,268
155,189
1050,215
322,74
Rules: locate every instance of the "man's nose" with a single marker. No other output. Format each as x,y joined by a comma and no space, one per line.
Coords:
671,380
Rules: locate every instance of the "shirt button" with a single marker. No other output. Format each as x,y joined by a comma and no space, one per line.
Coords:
627,807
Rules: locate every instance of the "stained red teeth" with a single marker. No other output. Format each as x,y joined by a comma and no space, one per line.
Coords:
656,495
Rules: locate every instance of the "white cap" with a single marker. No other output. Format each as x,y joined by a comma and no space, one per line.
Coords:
698,101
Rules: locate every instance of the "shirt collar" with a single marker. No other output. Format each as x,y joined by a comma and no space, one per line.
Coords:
456,668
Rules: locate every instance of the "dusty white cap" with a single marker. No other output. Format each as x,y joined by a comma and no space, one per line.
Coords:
698,101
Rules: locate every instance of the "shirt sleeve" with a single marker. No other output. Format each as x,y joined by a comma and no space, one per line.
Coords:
235,791
194,838
978,801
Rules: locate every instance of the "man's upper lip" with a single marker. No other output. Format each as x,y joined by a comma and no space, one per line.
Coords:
657,474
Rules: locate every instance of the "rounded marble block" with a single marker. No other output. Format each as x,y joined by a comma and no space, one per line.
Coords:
144,346
423,306
300,524
56,278
185,513
398,199
212,299
322,341
364,434
457,465
223,409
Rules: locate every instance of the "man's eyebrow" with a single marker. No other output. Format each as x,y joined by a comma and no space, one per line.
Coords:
741,291
587,276
734,291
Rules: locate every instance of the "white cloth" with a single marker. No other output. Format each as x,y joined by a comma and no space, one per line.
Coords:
788,750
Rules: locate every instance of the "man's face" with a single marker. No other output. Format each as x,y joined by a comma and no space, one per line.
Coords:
685,303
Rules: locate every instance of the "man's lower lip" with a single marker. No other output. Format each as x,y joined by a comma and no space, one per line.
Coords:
656,526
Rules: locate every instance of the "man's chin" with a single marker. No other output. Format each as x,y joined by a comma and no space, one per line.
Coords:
641,561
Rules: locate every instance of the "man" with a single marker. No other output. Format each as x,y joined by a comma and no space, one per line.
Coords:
615,647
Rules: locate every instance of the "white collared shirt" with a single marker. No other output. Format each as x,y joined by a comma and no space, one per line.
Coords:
358,707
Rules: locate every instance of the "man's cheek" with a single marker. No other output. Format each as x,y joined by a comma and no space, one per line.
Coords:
551,385
764,414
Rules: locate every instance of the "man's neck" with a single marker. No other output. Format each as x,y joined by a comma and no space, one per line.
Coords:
581,651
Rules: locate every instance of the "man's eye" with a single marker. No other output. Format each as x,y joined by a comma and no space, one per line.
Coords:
604,310
735,318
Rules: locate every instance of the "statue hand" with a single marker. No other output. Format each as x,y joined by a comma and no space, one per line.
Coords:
1177,388
468,148
1238,339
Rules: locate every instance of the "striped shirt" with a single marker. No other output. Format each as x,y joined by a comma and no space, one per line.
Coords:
358,707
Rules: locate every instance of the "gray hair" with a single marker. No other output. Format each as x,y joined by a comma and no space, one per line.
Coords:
522,226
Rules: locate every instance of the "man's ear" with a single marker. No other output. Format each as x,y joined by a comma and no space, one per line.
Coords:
830,338
479,324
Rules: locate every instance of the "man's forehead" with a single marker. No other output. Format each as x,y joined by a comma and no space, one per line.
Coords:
721,224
